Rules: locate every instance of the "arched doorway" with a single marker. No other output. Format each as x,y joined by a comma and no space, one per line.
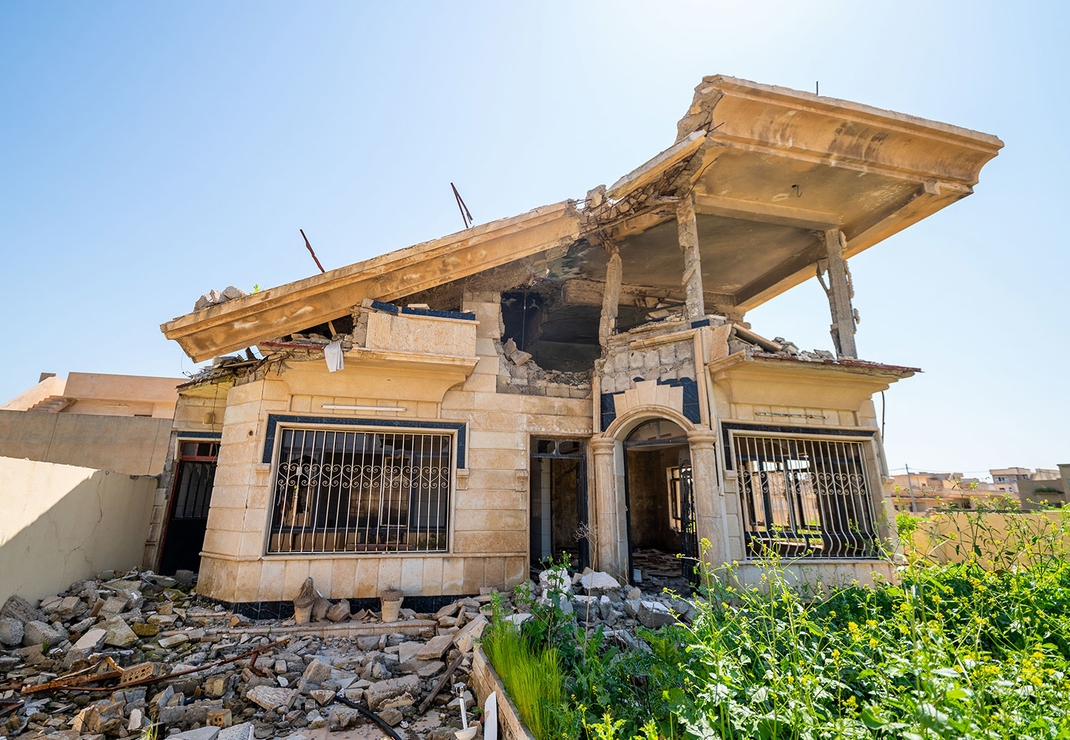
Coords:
660,501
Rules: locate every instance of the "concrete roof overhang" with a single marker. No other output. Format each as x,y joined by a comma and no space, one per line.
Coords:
770,169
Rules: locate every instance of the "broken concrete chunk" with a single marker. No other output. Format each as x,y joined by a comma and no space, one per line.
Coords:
654,614
317,671
381,692
391,716
38,633
435,648
598,581
18,608
269,697
173,640
11,631
92,640
201,733
556,579
145,629
408,650
215,687
520,357
243,731
469,633
323,697
320,607
449,610
342,719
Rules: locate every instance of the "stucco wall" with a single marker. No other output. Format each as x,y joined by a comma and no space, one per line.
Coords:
995,539
62,523
131,445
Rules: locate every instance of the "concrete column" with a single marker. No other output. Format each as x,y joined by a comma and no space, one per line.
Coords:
610,297
710,510
605,549
839,294
687,230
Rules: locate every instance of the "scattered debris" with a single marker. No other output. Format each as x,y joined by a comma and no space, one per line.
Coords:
112,656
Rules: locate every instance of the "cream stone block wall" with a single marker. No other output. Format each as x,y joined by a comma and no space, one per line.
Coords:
490,518
431,334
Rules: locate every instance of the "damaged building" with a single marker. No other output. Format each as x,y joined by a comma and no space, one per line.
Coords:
577,379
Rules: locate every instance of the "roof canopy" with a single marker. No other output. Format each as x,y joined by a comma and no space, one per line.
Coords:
769,169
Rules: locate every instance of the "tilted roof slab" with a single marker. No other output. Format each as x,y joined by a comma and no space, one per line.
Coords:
789,162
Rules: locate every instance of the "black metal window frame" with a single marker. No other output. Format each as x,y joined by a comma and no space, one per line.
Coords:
194,476
805,492
325,505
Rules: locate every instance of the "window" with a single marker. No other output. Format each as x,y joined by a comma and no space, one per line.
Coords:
361,491
805,496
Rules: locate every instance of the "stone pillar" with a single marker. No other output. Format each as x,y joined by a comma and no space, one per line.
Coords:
710,510
610,297
605,547
839,293
687,230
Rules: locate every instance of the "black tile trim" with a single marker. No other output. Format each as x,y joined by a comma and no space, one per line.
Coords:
405,310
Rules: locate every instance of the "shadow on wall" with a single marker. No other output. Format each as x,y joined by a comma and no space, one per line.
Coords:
62,523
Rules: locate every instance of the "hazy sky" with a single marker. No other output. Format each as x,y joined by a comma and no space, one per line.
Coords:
153,151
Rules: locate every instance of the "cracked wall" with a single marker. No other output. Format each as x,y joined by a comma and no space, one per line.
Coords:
63,523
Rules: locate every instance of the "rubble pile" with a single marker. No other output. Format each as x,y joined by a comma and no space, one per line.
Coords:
114,656
216,297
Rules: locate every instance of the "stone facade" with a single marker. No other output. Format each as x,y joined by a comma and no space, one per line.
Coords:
585,356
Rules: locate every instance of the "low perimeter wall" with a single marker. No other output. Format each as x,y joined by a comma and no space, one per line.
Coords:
62,523
994,539
126,444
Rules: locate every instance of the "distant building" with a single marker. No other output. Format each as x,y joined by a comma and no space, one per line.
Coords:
119,423
1007,479
922,492
1053,489
100,394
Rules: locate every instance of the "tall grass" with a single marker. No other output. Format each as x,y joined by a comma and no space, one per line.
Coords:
532,678
972,649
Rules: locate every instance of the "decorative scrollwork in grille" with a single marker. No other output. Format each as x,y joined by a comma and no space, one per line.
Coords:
368,491
805,496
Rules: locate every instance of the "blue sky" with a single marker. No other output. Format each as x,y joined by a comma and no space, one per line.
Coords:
152,151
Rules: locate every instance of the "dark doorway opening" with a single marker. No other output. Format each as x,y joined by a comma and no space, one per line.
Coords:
191,497
659,493
558,503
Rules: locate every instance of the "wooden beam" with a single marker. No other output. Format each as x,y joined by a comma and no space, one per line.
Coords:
767,213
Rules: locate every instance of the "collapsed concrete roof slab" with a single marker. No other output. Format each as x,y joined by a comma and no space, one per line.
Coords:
769,170
277,311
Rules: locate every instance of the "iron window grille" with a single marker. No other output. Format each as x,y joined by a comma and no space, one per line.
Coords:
805,497
361,491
